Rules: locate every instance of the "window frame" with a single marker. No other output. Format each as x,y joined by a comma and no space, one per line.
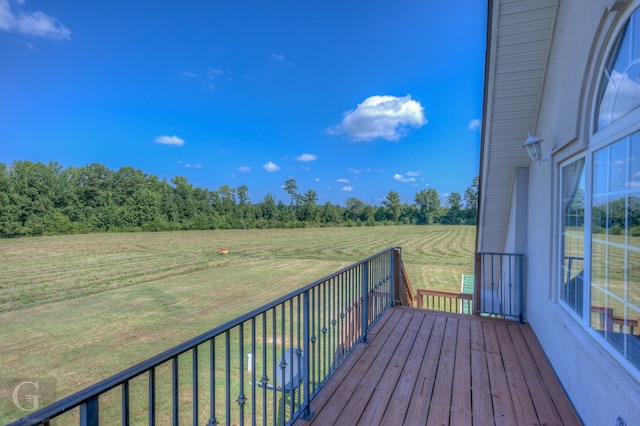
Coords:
587,223
586,317
623,127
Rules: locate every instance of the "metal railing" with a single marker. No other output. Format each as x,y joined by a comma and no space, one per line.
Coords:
261,368
499,285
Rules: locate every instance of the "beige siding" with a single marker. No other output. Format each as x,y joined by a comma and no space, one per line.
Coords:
522,32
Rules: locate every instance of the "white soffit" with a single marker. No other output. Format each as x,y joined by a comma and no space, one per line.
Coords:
520,35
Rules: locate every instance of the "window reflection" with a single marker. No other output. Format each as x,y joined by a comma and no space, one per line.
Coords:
573,207
615,246
620,85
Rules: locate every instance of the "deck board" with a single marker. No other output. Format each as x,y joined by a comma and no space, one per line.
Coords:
461,411
375,409
523,407
544,406
399,401
440,407
424,367
371,381
334,393
482,407
564,408
418,408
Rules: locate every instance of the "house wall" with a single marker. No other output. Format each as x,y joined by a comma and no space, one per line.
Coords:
600,389
516,236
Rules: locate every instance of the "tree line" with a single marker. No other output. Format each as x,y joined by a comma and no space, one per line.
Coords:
42,199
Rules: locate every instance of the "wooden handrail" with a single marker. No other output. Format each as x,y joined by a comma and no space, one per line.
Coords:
447,301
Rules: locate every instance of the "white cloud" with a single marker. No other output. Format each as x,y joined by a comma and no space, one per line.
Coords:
367,170
279,57
244,169
475,124
317,179
193,166
271,167
404,179
209,78
215,73
385,117
620,96
342,180
347,188
7,19
414,174
306,158
35,23
169,140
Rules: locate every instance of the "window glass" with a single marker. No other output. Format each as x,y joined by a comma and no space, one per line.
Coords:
634,277
615,246
620,84
617,166
634,159
616,274
573,208
633,314
633,217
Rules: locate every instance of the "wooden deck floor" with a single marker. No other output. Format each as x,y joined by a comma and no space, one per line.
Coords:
426,367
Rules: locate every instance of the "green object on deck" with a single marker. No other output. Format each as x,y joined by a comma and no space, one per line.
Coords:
468,282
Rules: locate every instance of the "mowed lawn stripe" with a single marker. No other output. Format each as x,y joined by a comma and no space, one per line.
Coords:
47,269
82,307
82,340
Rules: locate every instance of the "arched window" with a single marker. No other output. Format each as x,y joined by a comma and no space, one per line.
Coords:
620,85
599,265
612,237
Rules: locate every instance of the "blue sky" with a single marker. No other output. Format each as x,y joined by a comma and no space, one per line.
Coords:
349,98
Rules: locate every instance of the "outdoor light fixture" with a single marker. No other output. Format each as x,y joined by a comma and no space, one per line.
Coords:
532,144
533,149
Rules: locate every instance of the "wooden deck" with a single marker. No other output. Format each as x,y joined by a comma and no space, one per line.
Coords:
426,367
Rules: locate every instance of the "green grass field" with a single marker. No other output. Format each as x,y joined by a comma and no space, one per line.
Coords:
76,309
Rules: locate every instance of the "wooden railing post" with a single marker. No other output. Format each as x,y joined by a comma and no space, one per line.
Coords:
403,292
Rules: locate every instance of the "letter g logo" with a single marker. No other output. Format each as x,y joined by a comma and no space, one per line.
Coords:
30,398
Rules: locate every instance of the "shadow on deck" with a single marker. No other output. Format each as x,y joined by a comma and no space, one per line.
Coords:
427,367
